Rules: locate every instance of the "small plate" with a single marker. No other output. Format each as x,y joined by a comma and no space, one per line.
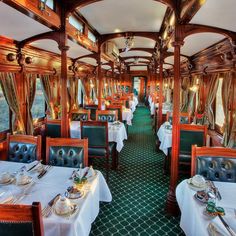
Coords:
194,187
203,199
11,180
29,180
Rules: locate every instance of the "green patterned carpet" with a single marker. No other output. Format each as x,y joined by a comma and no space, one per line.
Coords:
139,188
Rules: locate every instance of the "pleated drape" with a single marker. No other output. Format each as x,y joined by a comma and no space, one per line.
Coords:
8,84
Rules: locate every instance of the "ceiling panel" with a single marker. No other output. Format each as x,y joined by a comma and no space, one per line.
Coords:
171,59
133,68
15,25
135,54
106,67
139,42
218,13
74,51
89,60
111,16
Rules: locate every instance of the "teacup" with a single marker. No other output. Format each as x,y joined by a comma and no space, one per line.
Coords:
5,177
63,206
22,178
198,181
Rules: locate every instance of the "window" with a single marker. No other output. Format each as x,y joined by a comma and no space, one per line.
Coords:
76,23
91,36
5,116
38,108
50,4
219,113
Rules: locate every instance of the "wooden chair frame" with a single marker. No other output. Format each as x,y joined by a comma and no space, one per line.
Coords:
80,111
71,142
24,213
106,112
22,138
210,151
112,107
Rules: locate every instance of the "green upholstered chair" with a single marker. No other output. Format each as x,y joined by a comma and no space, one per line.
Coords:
109,116
23,148
67,152
79,115
21,220
53,128
214,163
98,145
92,109
190,135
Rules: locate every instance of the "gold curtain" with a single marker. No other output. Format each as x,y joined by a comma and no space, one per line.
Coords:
30,95
73,89
214,82
50,88
184,94
8,84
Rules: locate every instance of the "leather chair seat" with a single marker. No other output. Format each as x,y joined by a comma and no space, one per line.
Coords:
102,151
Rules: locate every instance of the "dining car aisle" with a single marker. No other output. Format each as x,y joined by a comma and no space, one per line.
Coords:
139,188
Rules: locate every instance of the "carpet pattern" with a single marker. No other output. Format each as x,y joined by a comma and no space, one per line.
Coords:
139,188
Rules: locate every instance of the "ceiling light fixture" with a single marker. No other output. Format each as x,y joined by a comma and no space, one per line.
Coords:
129,43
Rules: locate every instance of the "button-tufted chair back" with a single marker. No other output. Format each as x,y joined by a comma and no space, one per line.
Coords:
53,128
23,148
214,163
67,152
80,115
117,108
109,116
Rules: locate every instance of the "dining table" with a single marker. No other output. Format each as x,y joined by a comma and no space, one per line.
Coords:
54,182
165,137
116,133
194,221
127,115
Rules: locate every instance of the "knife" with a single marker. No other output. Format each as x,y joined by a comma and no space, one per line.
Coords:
44,172
216,190
31,168
231,232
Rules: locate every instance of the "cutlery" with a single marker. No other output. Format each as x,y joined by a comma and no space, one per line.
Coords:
45,170
31,168
73,174
229,229
46,212
216,190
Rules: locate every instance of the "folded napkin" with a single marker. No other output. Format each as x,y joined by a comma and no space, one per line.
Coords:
216,227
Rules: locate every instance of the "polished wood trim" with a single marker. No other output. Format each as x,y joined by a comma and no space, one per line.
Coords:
106,112
24,213
70,142
209,151
21,138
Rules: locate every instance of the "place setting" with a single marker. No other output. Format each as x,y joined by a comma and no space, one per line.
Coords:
209,195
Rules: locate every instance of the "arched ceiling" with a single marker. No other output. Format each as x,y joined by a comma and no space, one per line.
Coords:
112,16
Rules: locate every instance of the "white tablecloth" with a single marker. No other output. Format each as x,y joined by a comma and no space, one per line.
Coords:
165,138
115,133
54,182
135,99
127,115
193,221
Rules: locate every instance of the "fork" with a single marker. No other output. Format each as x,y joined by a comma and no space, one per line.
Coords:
44,171
48,209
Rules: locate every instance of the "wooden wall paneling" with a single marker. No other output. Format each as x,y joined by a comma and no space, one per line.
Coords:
31,9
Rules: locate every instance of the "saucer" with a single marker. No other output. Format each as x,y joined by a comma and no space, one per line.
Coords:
194,187
28,181
9,181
